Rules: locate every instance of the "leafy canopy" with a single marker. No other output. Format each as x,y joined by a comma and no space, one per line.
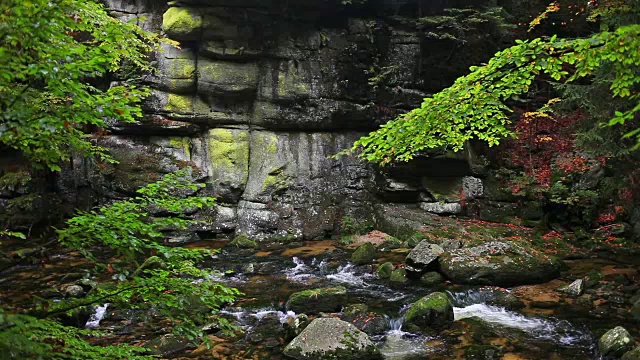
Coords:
54,55
476,105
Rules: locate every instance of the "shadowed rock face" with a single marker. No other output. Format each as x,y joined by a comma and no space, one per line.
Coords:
260,94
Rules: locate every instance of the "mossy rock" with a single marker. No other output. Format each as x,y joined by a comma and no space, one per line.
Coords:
181,23
431,278
399,276
384,271
615,342
317,300
243,242
432,312
364,254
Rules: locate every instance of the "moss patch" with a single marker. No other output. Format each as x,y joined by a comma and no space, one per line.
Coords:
179,103
181,23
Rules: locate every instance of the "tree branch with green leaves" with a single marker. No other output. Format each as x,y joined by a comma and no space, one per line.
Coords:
476,105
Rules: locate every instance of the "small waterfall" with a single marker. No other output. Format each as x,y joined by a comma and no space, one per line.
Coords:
299,273
347,275
96,317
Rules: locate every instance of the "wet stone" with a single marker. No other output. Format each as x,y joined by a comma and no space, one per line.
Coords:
432,312
615,342
317,300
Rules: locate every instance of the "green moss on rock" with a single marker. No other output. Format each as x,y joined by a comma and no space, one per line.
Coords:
432,312
364,254
179,103
317,300
242,241
399,276
384,271
182,23
229,155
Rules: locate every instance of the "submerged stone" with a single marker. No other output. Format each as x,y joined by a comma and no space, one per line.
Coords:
317,300
329,338
615,342
432,312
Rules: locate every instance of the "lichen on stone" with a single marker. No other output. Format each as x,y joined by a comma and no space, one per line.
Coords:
181,23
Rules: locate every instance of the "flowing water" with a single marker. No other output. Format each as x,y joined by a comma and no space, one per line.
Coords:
268,279
271,279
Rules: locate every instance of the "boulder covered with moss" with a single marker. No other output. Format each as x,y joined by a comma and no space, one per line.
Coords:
432,312
244,242
384,271
364,254
500,264
329,338
313,301
615,342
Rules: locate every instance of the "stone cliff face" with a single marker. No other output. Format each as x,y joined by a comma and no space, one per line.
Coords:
260,94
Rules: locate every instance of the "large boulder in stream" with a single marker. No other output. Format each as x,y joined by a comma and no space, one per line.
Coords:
329,338
500,264
432,312
317,300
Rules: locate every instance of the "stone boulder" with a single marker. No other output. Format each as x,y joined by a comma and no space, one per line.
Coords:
317,300
432,312
574,289
364,254
384,271
328,338
498,263
431,278
615,342
424,255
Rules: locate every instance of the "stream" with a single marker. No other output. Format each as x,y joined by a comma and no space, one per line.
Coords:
485,326
268,278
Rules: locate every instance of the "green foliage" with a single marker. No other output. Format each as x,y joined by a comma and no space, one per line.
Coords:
128,227
52,58
146,274
457,24
23,337
169,282
351,226
476,105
